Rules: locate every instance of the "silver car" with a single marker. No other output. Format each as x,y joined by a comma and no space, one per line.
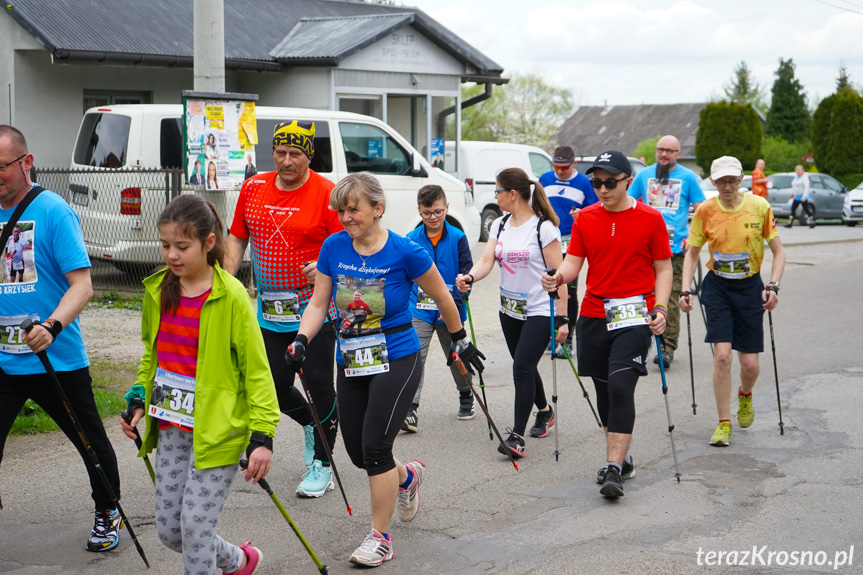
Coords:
826,194
852,210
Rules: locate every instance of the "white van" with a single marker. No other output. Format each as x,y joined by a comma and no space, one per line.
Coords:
478,164
118,215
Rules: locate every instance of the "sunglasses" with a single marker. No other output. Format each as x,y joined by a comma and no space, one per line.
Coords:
609,184
562,167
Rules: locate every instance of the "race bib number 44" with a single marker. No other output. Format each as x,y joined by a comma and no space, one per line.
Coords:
365,355
625,312
173,398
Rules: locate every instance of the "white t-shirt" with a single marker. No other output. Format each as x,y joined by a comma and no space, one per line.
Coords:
519,256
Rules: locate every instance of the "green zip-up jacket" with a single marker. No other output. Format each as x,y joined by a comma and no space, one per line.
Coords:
234,390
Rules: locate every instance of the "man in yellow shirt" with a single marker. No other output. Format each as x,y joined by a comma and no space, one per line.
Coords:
735,226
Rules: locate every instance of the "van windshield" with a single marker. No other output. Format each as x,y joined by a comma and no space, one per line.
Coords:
102,141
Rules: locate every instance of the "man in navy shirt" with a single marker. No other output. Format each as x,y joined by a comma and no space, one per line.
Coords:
568,191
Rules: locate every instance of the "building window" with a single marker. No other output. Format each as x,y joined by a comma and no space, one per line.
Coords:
97,98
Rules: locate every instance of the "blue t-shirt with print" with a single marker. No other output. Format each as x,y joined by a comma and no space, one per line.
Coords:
53,232
672,199
564,194
383,281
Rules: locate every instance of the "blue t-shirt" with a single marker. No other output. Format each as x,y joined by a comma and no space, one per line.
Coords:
375,288
53,233
563,194
672,199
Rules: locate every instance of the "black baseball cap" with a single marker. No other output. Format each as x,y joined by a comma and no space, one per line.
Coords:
613,162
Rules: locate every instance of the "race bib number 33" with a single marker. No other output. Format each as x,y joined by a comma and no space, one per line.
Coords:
625,312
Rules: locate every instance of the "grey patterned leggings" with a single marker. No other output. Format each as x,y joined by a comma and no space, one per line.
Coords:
188,504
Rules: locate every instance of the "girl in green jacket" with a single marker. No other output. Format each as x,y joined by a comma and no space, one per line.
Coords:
205,384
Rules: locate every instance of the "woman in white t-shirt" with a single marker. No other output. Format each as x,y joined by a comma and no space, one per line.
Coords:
524,243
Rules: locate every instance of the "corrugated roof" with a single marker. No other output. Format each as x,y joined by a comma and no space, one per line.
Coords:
344,36
593,129
159,32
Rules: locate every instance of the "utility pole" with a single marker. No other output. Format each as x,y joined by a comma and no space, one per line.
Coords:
209,25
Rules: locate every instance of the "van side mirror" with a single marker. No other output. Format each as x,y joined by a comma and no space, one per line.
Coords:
417,169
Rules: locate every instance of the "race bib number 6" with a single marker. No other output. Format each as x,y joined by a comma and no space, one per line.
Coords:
280,306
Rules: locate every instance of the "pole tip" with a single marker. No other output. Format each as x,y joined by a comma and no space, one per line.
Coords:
514,464
350,511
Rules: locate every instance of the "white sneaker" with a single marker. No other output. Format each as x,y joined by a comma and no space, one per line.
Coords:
409,499
374,550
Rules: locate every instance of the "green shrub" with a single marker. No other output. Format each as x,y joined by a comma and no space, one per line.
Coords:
647,148
782,156
728,129
851,181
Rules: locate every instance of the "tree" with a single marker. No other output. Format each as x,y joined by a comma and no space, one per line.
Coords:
843,81
837,133
647,148
728,129
788,116
527,110
742,88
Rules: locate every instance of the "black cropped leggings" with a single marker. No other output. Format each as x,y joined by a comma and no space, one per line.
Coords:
526,340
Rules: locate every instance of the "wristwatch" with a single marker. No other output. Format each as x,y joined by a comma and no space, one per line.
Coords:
774,287
53,326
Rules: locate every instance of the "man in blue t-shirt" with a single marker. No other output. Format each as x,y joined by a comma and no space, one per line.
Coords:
52,292
671,189
568,191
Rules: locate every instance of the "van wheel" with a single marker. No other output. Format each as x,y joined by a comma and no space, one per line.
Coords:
135,271
489,215
850,224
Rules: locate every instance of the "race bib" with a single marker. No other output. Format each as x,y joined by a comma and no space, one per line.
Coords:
365,355
173,398
424,301
670,230
731,266
625,312
280,306
564,243
12,337
513,304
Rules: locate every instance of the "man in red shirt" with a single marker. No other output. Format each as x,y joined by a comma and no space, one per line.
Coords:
625,243
286,214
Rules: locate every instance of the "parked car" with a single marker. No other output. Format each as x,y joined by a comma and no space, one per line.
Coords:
852,208
826,194
118,214
478,163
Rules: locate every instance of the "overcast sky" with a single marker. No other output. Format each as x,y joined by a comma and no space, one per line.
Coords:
657,52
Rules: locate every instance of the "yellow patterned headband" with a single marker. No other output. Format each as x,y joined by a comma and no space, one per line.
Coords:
296,133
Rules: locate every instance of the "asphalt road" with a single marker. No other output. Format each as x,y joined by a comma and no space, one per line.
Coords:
796,495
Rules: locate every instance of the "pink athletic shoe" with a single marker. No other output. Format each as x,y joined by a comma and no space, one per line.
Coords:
254,556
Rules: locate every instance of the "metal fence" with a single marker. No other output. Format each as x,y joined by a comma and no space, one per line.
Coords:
118,210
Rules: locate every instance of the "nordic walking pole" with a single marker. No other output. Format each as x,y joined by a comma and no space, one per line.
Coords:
463,371
266,487
26,326
473,340
688,296
697,291
127,417
583,391
776,373
552,295
667,408
323,437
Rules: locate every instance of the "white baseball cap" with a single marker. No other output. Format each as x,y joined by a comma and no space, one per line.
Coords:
726,166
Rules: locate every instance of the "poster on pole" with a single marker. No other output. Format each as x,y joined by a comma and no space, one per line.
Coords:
219,134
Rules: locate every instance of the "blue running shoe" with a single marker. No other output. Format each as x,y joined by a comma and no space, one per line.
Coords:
316,481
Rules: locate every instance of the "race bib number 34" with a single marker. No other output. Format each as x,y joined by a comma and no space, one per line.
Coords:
625,312
173,398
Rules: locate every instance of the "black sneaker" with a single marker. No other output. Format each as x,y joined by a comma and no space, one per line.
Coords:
106,531
465,406
410,422
544,421
667,358
612,485
628,472
514,443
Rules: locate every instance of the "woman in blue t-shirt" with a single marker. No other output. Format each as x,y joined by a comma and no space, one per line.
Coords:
379,361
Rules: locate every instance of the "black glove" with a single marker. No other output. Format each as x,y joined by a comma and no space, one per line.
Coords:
560,321
467,353
257,440
296,352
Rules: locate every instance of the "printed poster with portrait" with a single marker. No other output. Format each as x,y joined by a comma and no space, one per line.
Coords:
664,195
18,255
361,307
219,138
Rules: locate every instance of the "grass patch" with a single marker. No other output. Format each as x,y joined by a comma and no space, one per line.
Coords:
113,299
110,382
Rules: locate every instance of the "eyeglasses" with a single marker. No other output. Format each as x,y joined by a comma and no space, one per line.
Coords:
726,182
609,184
666,151
562,168
435,213
496,192
4,167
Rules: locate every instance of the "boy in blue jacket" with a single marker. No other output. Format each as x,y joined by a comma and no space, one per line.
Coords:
450,251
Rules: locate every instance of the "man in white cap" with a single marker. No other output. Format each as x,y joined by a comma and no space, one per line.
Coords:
735,225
